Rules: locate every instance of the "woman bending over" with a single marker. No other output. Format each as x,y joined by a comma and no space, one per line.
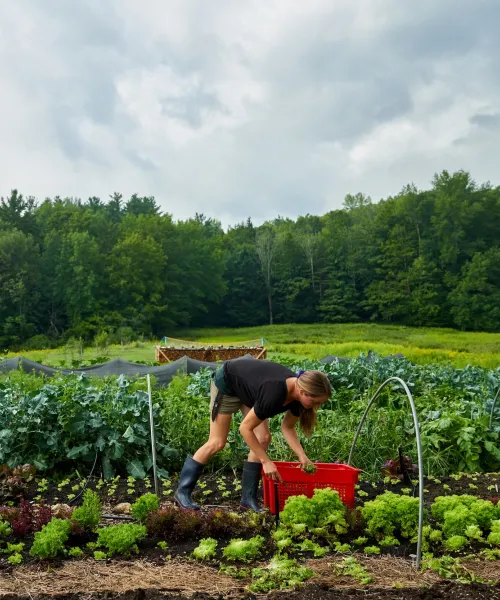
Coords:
260,389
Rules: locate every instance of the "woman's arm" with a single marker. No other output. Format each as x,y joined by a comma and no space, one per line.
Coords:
288,428
249,423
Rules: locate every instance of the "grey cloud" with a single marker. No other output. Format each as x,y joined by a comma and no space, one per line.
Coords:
191,108
486,121
325,88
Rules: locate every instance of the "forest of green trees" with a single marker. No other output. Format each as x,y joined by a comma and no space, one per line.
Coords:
78,268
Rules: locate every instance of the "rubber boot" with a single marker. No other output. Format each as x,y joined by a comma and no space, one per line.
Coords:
250,484
190,473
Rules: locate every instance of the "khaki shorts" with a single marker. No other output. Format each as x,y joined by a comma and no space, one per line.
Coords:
229,404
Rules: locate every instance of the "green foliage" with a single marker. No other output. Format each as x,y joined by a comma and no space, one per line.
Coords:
391,514
13,548
89,514
121,539
15,559
310,546
455,543
145,504
388,541
423,257
244,550
49,542
76,552
77,417
281,573
449,568
353,568
324,513
494,536
458,515
205,549
5,529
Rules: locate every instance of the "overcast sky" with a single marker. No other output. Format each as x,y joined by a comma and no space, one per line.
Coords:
239,108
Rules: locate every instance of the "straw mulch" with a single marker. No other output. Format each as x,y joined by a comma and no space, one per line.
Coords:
91,576
385,571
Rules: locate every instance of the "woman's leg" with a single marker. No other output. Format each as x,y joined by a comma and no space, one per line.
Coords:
252,469
219,430
193,467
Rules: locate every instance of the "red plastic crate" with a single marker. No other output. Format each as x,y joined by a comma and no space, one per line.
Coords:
336,476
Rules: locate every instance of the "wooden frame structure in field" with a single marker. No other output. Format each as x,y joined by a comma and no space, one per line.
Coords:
171,349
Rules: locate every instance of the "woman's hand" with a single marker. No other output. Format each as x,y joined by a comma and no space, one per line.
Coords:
304,461
271,471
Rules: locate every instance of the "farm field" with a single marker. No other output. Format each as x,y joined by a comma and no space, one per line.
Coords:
419,345
82,520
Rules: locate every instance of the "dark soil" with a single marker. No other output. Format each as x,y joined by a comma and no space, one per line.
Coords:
212,489
441,591
222,490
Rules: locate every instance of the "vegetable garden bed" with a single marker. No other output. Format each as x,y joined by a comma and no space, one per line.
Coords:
125,542
164,564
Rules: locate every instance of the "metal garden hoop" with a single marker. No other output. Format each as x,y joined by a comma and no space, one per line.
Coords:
419,454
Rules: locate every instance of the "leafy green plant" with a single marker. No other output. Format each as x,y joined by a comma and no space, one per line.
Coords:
455,543
494,536
75,552
205,549
391,514
449,568
77,416
121,539
310,546
323,515
49,542
144,505
244,550
455,514
15,559
353,568
88,515
281,573
5,529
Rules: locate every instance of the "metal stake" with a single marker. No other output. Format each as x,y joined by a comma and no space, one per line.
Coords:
153,439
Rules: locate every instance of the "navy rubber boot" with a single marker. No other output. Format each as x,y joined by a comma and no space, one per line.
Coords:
250,484
190,474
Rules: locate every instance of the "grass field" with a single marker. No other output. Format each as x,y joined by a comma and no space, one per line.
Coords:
316,341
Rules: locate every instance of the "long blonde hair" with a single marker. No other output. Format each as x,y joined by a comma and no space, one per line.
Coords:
315,384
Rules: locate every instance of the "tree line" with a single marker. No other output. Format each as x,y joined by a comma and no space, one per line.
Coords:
73,268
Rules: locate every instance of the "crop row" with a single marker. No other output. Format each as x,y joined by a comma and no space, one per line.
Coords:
67,422
454,525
